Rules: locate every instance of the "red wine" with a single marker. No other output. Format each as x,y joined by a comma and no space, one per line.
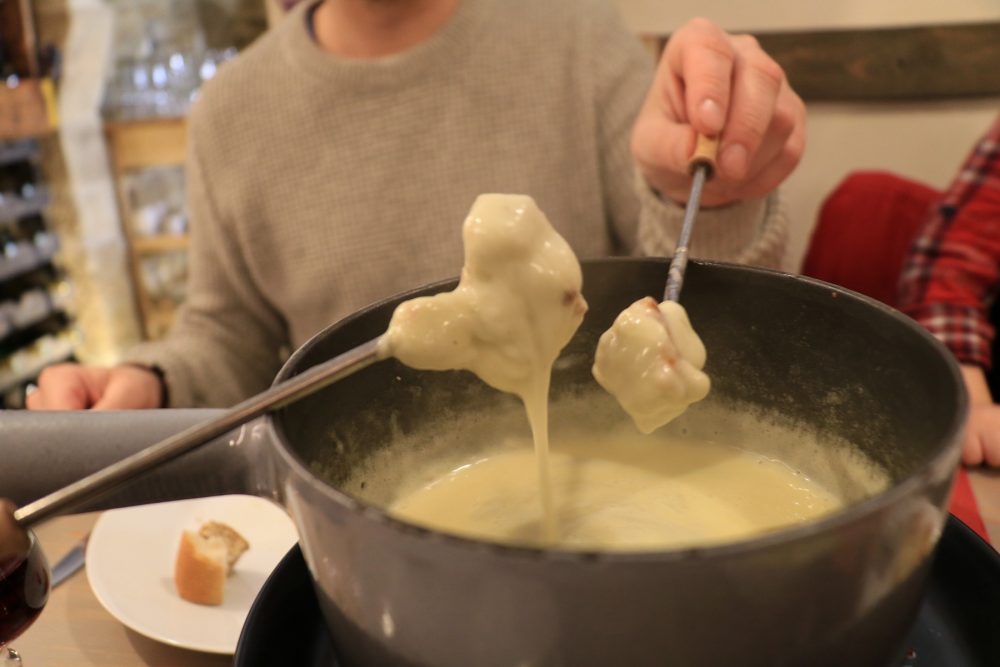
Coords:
24,590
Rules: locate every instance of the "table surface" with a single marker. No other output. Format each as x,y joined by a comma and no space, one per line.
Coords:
76,631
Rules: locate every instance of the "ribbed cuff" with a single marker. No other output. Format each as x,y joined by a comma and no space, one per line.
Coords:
752,231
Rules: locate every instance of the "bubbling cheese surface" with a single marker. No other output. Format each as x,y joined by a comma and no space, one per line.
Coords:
651,360
517,304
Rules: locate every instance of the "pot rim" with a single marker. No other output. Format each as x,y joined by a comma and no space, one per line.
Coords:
942,463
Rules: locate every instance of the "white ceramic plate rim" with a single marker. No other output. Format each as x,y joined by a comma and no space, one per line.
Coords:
269,530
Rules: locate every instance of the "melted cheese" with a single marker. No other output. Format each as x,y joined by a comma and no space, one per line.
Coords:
651,360
620,492
517,304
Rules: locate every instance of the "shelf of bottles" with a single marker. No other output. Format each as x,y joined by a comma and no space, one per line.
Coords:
35,297
36,324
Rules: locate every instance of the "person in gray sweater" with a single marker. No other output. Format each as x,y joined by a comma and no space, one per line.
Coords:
332,163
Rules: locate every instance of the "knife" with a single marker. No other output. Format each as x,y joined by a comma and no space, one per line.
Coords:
69,564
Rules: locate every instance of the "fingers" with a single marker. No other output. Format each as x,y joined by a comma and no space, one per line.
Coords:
700,60
777,157
756,87
130,388
712,82
662,150
76,387
690,94
67,387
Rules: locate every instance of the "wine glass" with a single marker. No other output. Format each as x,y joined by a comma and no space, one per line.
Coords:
24,583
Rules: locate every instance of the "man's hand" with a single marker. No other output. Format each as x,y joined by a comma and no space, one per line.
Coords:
76,387
710,82
982,435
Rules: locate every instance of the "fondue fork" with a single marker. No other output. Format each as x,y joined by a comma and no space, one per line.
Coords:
280,395
702,167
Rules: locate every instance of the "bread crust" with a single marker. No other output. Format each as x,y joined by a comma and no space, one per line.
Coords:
204,560
199,576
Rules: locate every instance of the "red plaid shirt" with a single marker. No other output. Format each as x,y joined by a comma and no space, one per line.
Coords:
952,274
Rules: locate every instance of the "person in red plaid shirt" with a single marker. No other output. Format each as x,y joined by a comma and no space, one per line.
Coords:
950,283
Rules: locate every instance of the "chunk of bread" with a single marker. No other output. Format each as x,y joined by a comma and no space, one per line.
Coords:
204,560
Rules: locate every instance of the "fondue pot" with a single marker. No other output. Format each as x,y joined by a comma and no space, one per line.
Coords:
841,590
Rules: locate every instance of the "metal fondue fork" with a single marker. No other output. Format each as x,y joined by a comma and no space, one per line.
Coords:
278,396
702,167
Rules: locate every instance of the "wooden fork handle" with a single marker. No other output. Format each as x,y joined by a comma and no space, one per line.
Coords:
705,150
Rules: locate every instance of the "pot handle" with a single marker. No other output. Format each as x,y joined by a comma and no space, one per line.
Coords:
40,452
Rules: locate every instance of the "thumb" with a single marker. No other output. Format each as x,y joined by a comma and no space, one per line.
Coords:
662,146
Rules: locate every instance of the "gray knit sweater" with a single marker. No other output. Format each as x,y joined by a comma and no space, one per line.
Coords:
318,184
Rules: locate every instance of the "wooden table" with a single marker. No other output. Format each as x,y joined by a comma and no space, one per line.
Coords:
75,631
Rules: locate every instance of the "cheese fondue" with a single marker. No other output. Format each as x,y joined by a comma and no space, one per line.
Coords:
516,306
651,360
620,491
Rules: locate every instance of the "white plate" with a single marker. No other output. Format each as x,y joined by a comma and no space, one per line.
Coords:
130,566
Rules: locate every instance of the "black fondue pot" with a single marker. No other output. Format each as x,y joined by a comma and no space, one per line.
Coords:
842,590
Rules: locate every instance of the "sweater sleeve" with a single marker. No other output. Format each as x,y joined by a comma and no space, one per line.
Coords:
750,232
753,231
226,342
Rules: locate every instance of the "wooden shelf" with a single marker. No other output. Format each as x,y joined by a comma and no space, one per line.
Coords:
155,245
27,110
17,32
135,145
146,143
